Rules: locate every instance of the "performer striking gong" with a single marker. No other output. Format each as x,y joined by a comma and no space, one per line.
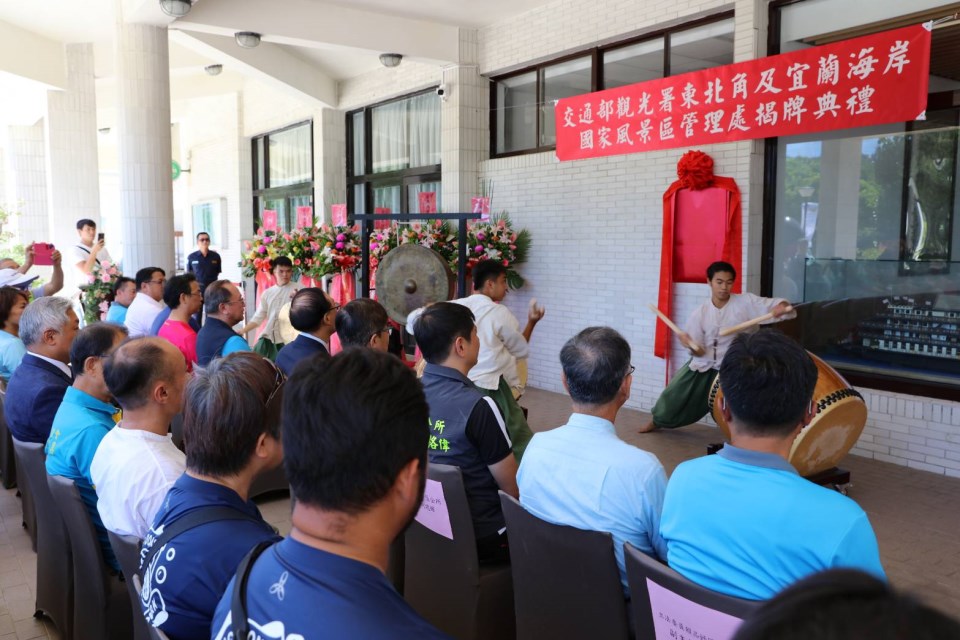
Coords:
684,401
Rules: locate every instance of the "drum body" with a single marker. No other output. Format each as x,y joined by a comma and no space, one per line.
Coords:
836,427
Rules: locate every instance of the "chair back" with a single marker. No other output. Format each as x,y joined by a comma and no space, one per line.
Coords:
127,550
269,481
97,609
443,579
555,566
54,559
659,594
176,428
155,633
8,464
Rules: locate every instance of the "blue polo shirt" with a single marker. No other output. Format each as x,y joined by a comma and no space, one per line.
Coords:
80,424
12,351
297,591
582,475
187,577
746,524
117,313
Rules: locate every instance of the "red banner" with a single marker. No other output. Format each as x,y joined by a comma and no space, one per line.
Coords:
876,79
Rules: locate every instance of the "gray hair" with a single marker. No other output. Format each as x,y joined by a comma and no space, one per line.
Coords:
215,295
43,314
595,362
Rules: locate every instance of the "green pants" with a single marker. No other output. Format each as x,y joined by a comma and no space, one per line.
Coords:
517,427
684,401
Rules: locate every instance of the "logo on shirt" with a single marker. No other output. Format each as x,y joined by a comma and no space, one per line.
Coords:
151,600
268,631
276,589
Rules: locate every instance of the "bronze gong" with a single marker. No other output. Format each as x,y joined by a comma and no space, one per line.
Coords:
412,276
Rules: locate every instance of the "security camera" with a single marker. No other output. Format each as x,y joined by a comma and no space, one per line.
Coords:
442,92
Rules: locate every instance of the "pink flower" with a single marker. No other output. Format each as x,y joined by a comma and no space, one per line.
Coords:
90,278
104,265
478,249
286,237
339,245
261,249
246,244
481,237
104,306
267,239
374,246
105,278
506,263
341,238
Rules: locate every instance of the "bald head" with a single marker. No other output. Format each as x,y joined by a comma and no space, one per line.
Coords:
135,370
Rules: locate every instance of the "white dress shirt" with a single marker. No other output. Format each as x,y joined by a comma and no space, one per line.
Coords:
59,365
501,341
141,314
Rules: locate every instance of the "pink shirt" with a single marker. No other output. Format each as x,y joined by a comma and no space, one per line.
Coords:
182,337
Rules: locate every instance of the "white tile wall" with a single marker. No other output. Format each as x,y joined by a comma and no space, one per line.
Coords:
25,168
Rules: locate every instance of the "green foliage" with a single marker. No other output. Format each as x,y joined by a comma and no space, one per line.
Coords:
9,246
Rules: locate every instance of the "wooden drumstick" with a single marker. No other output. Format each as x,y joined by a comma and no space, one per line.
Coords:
749,323
673,327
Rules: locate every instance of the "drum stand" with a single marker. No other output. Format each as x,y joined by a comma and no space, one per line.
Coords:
834,478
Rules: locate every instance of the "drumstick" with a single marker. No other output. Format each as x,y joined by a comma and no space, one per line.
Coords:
667,321
749,323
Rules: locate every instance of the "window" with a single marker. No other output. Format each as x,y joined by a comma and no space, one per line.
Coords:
283,173
522,103
394,150
864,227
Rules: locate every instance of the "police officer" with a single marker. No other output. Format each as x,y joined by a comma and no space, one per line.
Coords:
204,264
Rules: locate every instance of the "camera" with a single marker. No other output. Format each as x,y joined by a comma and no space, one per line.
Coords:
442,92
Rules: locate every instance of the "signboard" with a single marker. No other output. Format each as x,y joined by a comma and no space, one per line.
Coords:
433,512
269,220
338,213
480,205
427,200
675,617
304,217
876,79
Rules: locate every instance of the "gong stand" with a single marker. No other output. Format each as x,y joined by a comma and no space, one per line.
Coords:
366,221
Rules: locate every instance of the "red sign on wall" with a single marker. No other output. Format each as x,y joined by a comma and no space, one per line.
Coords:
876,79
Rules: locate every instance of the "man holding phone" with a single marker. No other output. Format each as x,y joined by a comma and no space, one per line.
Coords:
89,252
36,254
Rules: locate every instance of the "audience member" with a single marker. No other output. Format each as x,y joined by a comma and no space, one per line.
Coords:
124,291
231,429
205,264
12,303
842,604
355,441
224,306
48,289
743,522
147,303
268,312
581,474
36,388
84,418
312,313
88,252
363,323
183,297
466,428
137,463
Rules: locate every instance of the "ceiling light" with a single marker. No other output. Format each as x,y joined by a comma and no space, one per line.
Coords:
213,69
176,8
390,59
247,39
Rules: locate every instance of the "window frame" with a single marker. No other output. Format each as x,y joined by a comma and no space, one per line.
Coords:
265,191
596,84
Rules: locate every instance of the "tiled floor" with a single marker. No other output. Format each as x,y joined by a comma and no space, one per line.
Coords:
916,516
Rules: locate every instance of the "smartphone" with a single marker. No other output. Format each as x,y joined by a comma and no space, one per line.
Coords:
43,253
99,237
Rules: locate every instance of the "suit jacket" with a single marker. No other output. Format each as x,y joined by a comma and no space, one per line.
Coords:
301,348
34,394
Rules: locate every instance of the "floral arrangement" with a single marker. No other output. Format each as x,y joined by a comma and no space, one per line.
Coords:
98,292
495,239
260,253
301,246
381,241
338,249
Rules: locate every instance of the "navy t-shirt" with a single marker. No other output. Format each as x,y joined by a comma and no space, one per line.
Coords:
297,591
187,577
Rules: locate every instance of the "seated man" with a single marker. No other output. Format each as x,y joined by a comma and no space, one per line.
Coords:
84,418
581,474
466,428
224,306
183,297
124,291
355,436
363,323
36,388
147,303
137,463
743,522
231,429
312,313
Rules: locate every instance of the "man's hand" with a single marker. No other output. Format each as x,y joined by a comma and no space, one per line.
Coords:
55,258
687,342
28,257
97,246
781,309
535,313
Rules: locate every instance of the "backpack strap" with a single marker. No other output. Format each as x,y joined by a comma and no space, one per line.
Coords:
238,599
194,519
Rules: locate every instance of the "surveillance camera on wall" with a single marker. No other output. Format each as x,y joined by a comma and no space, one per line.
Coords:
443,92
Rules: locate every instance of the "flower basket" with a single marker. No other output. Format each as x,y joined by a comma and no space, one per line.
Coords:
97,294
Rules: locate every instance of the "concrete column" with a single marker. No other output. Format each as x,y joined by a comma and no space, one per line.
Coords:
330,170
143,116
73,185
464,126
26,183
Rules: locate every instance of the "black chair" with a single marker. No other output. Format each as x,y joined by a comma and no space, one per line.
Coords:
176,429
8,463
101,605
443,579
127,550
649,607
566,582
155,634
54,558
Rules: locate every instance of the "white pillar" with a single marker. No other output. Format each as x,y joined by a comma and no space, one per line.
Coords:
330,169
143,110
73,185
26,183
464,125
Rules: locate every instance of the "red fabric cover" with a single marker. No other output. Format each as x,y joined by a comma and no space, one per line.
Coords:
692,239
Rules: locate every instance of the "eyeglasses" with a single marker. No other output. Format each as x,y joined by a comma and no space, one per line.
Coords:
204,240
278,381
630,371
334,308
234,301
160,281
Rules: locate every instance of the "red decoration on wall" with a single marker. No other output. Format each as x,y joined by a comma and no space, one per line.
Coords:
702,223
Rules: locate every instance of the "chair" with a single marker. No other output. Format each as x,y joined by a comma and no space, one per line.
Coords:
443,579
176,428
127,550
101,606
269,481
54,559
155,634
8,464
659,592
566,582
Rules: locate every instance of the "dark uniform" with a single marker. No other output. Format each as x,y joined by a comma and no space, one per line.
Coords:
207,269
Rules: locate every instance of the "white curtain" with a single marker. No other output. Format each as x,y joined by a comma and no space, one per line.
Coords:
406,133
291,157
